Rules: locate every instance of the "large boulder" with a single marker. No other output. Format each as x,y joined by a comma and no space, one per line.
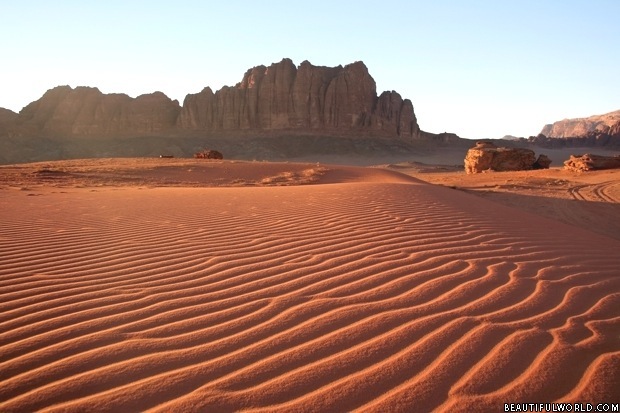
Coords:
590,162
543,162
486,156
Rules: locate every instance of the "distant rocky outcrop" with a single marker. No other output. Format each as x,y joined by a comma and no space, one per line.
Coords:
281,97
208,154
595,139
601,131
590,162
85,112
486,156
571,128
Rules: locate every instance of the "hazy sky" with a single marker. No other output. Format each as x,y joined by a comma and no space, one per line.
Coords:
478,68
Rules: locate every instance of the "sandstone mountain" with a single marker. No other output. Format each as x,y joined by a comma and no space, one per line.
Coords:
7,117
86,112
281,111
281,97
599,131
571,128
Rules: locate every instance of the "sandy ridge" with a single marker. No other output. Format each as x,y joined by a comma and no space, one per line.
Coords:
383,295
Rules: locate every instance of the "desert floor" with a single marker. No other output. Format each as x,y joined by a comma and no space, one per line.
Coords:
589,200
180,285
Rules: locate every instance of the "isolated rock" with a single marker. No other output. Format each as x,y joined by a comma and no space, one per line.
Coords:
590,162
209,154
487,156
543,162
478,159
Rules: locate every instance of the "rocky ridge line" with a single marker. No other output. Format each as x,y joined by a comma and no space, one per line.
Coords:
579,127
280,97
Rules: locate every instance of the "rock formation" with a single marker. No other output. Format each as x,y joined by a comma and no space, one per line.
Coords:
593,131
282,97
570,128
486,156
7,117
609,139
590,162
304,98
614,130
208,154
85,111
543,162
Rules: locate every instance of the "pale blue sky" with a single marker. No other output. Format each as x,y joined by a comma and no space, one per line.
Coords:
478,68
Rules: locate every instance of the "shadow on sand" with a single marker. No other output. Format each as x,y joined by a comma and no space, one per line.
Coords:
595,216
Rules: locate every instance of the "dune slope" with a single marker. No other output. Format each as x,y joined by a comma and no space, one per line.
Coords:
359,296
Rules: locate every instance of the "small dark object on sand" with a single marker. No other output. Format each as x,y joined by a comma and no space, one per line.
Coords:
209,154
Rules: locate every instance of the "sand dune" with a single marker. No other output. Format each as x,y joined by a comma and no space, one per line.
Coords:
364,290
587,200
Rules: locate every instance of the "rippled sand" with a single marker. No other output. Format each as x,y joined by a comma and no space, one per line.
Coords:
133,285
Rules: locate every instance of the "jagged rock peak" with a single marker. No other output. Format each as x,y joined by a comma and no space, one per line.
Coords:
284,96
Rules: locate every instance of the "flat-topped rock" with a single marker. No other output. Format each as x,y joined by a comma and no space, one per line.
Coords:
591,162
486,156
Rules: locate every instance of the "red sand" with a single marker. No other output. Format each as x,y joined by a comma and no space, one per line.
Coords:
368,290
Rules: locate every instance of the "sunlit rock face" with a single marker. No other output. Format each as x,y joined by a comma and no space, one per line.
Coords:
581,127
305,98
486,156
591,162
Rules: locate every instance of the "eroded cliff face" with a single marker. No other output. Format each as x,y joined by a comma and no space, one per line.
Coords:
614,130
307,97
281,97
593,131
85,111
7,118
579,127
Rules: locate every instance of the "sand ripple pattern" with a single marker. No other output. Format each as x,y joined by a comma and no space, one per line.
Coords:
343,297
